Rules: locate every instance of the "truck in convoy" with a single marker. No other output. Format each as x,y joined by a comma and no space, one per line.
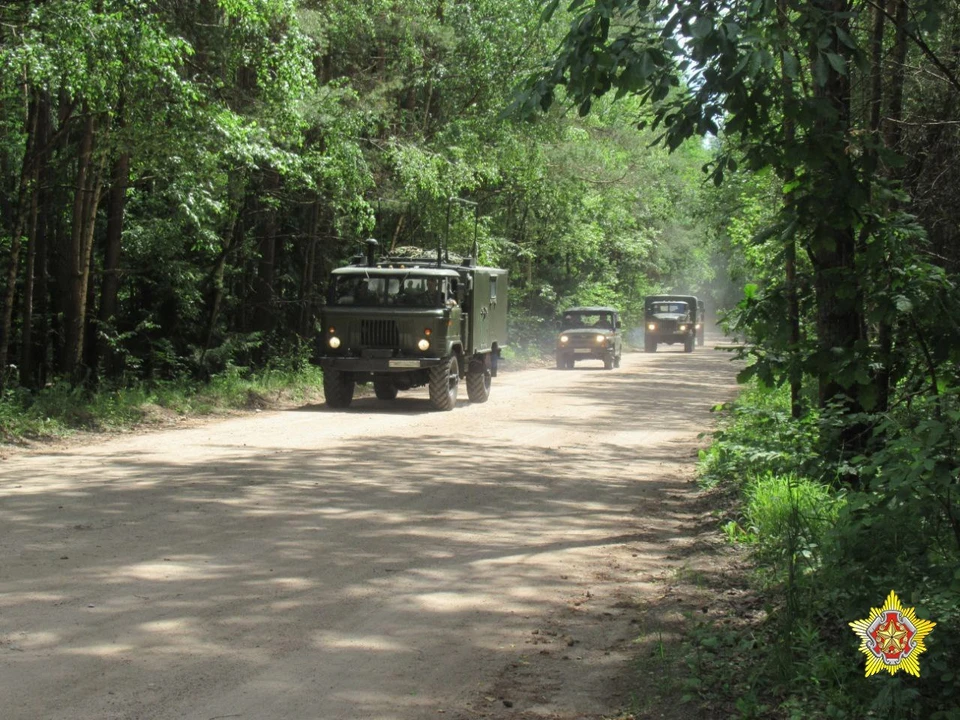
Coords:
411,319
672,319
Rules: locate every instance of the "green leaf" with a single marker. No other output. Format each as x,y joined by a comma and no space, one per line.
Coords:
701,27
549,10
791,67
820,71
837,62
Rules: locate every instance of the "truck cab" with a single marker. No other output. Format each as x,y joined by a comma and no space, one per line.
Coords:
672,319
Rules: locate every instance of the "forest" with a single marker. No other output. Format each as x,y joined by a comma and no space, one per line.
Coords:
177,179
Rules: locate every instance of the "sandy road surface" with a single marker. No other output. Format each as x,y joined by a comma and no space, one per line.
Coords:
379,562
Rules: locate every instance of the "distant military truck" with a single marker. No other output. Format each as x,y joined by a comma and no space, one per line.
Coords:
589,333
407,321
672,319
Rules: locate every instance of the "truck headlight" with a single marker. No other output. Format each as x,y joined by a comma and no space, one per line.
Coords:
334,342
697,326
682,328
651,326
564,338
600,338
424,345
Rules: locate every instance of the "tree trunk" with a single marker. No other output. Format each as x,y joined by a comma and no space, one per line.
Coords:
307,286
78,255
25,190
264,318
111,261
790,251
833,247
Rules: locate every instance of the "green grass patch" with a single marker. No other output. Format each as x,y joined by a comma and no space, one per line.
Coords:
60,410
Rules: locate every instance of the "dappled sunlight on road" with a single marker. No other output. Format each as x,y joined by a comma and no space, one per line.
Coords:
371,563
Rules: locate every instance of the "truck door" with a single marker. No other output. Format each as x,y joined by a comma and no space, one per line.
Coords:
482,292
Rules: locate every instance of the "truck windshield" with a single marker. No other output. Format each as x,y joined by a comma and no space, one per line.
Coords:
674,308
381,291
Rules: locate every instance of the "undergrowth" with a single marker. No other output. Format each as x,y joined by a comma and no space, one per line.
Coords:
825,552
61,409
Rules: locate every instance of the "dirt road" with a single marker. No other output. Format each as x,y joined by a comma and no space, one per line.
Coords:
379,562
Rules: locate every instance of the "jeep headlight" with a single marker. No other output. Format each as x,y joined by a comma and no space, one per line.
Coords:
600,338
564,338
424,345
334,342
652,326
697,326
682,328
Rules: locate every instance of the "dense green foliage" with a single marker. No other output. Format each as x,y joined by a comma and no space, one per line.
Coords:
177,180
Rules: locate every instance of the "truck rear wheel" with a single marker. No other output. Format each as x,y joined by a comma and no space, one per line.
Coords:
337,389
478,383
444,381
385,389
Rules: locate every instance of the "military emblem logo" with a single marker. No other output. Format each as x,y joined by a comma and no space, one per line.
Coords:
892,638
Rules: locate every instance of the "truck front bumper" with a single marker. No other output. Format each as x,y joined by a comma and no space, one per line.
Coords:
671,338
376,365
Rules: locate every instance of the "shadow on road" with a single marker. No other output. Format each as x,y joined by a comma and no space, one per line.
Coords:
185,569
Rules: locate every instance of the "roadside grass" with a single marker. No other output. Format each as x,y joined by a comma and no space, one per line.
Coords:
821,554
60,410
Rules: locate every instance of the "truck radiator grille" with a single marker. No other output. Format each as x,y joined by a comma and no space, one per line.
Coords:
379,333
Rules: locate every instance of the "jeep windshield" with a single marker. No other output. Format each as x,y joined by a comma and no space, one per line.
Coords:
370,290
572,321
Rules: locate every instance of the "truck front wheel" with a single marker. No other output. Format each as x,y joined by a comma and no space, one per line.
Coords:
478,382
650,344
444,381
688,343
337,389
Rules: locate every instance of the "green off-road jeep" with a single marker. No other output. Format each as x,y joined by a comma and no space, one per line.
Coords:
672,319
590,333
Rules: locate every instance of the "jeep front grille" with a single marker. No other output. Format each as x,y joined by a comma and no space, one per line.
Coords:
379,334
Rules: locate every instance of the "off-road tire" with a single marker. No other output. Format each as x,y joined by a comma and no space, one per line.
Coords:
444,381
608,362
385,390
616,361
561,362
688,344
650,344
337,390
571,361
478,384
700,337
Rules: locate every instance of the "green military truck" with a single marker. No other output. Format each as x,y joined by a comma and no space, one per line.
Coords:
672,319
411,320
